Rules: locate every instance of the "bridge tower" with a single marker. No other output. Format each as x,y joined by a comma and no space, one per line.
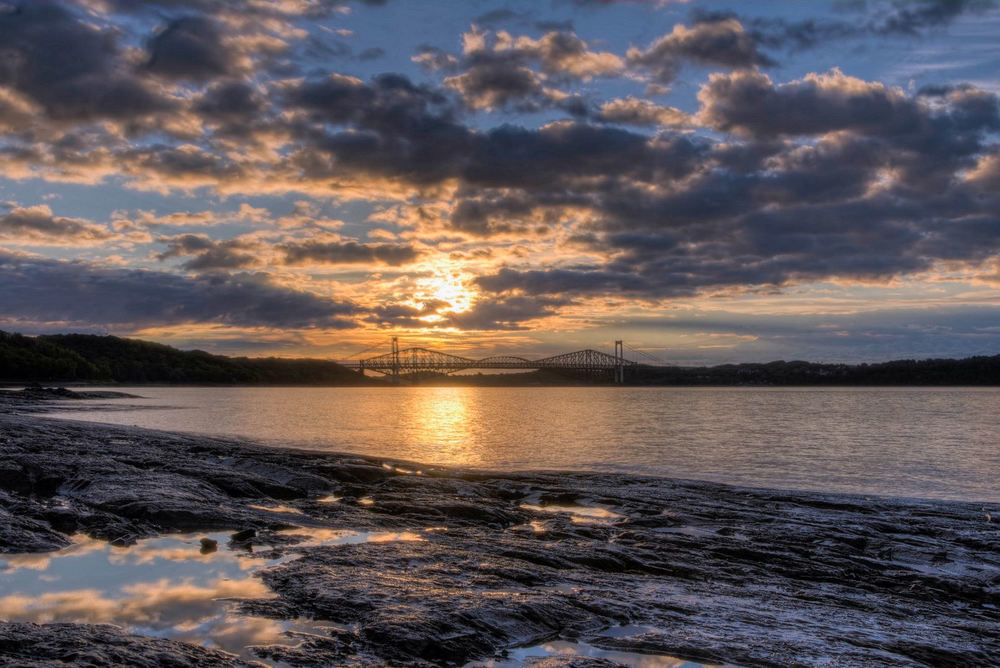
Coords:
619,363
395,360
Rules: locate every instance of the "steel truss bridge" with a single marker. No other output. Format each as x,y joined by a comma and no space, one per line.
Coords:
416,360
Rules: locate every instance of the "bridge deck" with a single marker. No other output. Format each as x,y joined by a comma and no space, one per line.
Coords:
413,360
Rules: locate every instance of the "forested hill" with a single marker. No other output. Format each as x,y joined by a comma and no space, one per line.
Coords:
969,371
84,357
88,358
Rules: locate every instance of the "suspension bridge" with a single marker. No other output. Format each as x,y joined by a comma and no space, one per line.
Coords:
588,362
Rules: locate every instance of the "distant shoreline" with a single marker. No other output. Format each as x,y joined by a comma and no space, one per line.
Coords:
108,360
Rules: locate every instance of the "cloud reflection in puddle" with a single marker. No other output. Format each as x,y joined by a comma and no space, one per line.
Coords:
161,586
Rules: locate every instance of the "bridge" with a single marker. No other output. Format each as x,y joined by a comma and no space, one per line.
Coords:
415,360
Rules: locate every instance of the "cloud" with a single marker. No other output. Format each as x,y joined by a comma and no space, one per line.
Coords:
69,67
563,54
986,174
911,18
230,102
932,141
435,58
881,19
371,53
347,252
636,111
209,255
35,225
750,104
510,313
191,47
880,334
487,314
499,70
95,296
163,167
721,41
497,81
889,185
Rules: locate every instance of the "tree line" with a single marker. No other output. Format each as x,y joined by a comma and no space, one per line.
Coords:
92,358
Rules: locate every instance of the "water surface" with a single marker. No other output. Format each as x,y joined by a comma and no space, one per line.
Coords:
939,443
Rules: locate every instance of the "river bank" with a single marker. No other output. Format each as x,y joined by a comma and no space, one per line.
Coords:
485,563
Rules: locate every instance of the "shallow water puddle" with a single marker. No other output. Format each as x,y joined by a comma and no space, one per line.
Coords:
277,509
322,537
167,587
172,586
578,513
517,657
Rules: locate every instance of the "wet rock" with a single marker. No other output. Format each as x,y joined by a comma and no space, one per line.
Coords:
449,567
35,646
22,534
243,536
208,546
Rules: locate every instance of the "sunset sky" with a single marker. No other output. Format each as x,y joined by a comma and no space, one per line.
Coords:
709,181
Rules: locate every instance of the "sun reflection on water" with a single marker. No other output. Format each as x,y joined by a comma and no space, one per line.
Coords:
443,420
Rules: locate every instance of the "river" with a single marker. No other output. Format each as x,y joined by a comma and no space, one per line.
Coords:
941,443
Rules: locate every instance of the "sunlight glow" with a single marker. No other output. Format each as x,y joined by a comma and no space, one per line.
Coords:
444,286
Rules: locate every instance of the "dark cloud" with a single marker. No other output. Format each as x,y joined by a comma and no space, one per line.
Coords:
70,67
665,248
714,40
233,99
509,313
190,48
503,72
882,19
308,9
931,142
371,53
487,214
911,18
498,16
636,111
185,167
557,26
209,255
37,225
503,314
571,155
501,81
891,186
799,35
127,299
401,131
874,335
347,252
750,103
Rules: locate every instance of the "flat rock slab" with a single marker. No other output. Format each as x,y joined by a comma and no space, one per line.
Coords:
52,645
456,567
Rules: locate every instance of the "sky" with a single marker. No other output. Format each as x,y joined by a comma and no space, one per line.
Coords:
711,182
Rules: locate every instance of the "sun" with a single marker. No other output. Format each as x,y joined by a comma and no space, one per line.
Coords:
444,286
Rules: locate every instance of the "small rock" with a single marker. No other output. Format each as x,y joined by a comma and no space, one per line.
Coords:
243,536
208,545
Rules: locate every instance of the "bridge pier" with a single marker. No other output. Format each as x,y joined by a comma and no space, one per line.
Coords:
619,363
395,360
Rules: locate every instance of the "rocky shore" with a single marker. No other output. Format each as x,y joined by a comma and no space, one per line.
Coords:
500,561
